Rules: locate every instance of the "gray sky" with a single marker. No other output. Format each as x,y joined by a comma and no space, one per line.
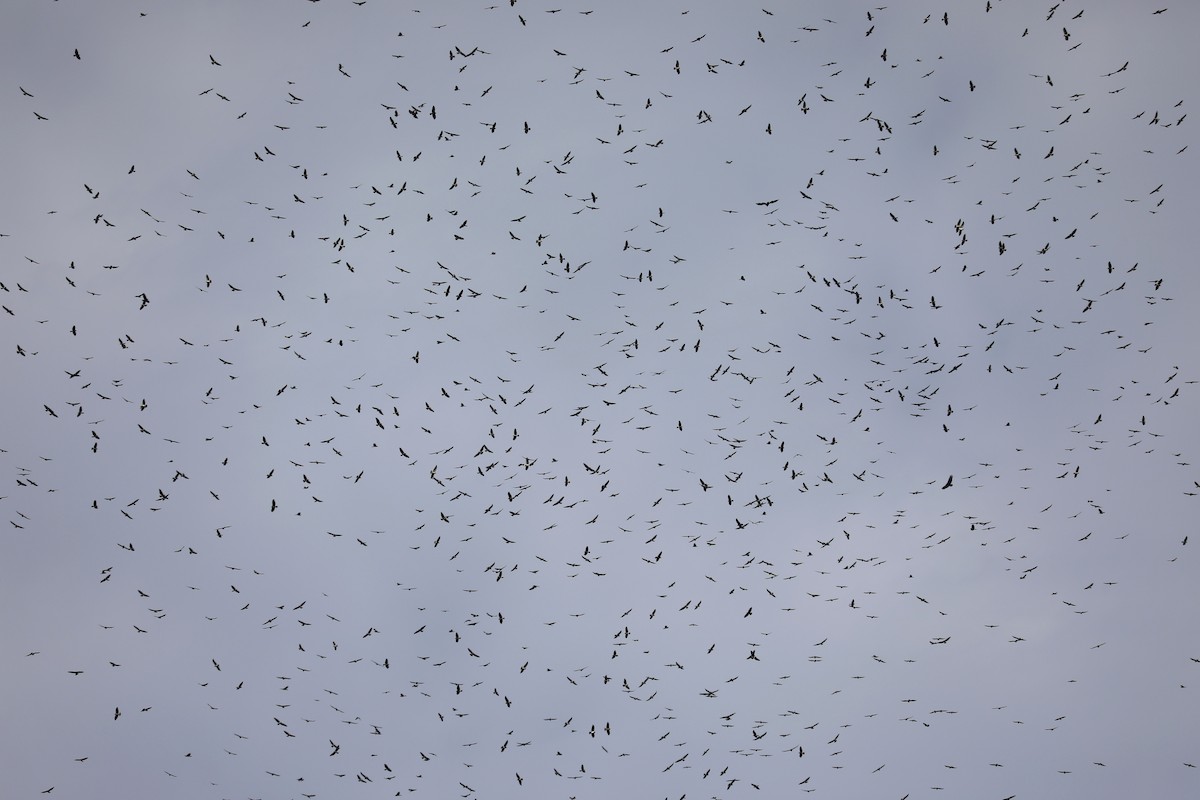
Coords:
562,401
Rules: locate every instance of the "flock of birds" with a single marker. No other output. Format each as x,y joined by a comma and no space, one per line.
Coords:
531,401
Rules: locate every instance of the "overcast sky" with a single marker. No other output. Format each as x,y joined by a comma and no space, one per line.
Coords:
638,399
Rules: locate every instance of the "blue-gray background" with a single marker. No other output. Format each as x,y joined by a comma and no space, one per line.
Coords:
525,400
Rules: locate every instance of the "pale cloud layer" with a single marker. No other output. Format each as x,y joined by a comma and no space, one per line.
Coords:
538,401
